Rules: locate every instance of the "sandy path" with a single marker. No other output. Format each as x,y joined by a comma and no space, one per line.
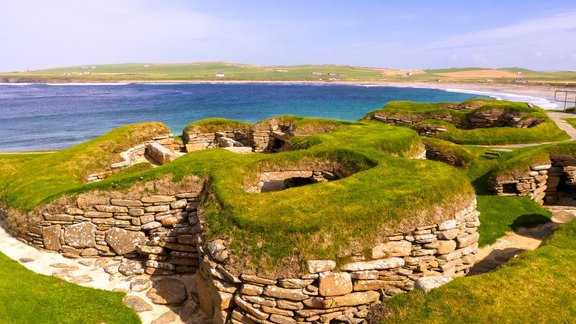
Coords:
490,257
102,273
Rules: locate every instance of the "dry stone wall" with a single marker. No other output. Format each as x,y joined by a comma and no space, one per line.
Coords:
331,291
531,184
485,118
196,140
543,183
160,150
162,228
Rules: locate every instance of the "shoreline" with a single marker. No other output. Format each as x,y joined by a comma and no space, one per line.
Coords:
541,95
521,89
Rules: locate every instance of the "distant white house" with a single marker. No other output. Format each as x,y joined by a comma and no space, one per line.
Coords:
220,74
282,71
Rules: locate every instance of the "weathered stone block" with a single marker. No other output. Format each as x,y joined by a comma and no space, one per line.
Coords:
335,283
426,284
288,304
151,225
123,241
445,247
381,264
467,240
58,217
111,209
167,292
80,235
295,283
248,308
51,236
394,249
97,214
253,290
156,209
158,199
126,202
316,266
353,299
284,293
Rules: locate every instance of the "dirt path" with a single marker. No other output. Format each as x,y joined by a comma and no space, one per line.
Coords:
562,124
489,258
106,273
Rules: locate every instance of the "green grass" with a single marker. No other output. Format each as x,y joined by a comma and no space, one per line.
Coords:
11,163
212,125
206,71
267,228
49,175
571,121
445,114
531,288
498,215
546,131
26,297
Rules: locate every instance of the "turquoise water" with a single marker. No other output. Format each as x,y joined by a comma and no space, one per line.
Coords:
45,117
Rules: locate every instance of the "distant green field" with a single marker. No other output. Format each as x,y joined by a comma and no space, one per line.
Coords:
211,71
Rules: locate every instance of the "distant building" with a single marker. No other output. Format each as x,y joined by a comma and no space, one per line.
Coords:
282,71
220,74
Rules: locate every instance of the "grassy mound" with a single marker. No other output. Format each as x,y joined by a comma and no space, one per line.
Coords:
385,190
457,120
212,125
531,288
44,176
26,297
301,125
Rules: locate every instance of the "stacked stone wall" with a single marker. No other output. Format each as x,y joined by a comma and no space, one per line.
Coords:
331,291
195,141
138,154
435,154
161,228
532,184
479,119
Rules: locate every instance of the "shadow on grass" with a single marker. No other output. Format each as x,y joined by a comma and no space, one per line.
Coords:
494,260
529,220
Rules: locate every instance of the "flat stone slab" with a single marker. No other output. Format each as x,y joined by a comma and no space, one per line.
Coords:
426,284
137,303
167,292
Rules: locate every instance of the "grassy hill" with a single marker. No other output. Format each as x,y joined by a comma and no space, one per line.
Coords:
224,71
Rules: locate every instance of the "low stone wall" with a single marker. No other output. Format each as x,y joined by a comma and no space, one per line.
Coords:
138,154
435,154
163,228
332,291
532,184
195,141
486,118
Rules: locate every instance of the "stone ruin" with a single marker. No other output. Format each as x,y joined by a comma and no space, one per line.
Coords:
159,150
480,118
544,183
270,136
163,235
165,232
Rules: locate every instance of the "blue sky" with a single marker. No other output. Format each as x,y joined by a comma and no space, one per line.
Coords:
414,34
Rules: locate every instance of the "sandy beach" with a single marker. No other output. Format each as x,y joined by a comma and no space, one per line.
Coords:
516,91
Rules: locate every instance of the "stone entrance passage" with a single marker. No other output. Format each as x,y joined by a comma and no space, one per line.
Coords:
281,180
561,182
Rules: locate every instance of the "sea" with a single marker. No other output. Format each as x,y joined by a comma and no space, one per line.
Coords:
57,116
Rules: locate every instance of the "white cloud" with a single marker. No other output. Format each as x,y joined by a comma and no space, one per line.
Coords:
540,43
